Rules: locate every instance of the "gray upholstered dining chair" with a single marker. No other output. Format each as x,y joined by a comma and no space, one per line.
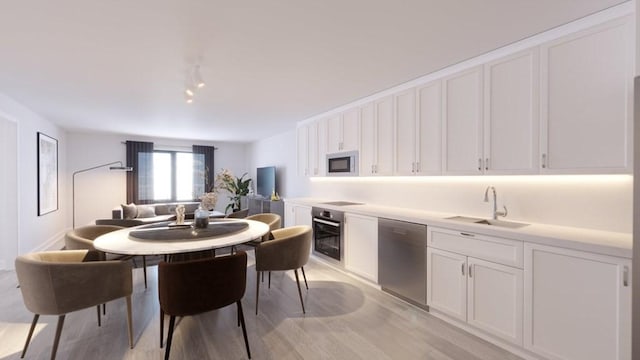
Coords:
82,238
60,282
196,286
289,250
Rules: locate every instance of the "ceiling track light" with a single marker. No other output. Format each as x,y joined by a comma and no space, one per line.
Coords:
194,81
197,77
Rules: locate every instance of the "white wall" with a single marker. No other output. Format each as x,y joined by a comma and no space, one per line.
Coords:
279,151
8,192
34,232
99,191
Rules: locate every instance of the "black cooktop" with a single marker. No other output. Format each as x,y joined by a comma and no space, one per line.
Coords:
341,203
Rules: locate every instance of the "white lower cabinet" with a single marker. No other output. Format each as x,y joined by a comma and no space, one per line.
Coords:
296,214
481,293
361,245
577,304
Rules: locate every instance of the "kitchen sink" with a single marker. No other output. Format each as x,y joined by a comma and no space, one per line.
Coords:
481,221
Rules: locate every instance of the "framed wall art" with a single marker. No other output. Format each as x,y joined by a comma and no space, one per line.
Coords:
47,174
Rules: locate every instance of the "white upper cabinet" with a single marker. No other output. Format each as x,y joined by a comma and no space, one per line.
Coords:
343,131
368,139
351,130
376,153
418,131
302,141
511,123
586,100
462,135
311,144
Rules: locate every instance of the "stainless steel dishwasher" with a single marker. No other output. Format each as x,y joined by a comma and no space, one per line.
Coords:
402,260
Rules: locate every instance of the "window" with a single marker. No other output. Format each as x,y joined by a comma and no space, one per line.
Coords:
170,176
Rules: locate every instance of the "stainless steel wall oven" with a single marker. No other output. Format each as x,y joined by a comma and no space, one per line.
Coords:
328,234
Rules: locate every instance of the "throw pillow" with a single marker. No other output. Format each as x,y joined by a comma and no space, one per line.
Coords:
163,209
146,211
129,211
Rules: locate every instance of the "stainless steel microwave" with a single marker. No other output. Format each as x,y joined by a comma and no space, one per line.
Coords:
342,164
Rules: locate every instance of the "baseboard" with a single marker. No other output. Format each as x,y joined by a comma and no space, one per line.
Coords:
517,350
56,242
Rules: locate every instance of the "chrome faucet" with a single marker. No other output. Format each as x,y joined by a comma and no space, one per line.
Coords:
495,212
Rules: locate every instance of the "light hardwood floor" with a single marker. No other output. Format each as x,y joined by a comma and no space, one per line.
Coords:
346,319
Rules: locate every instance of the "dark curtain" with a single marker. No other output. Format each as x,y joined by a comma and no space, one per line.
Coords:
140,180
203,168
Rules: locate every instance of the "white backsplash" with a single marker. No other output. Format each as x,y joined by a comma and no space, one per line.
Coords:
594,202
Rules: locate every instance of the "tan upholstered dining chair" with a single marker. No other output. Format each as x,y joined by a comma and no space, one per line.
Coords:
83,237
60,282
240,214
197,286
289,250
273,220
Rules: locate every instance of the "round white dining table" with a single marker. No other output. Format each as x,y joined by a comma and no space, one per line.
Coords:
123,243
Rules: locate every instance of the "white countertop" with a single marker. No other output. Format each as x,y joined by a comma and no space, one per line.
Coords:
596,241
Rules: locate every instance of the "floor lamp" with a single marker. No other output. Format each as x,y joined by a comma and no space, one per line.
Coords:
121,167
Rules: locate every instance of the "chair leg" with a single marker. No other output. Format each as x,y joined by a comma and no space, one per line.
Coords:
269,280
299,291
104,309
161,328
305,278
244,329
56,340
262,276
129,321
257,289
99,322
144,270
172,323
33,326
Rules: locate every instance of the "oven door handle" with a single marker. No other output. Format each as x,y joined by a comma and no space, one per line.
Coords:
330,223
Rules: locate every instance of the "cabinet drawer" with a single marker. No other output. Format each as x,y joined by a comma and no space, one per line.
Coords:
498,250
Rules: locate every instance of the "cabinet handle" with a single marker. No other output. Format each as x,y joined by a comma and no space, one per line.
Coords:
462,267
467,234
486,164
375,168
417,166
470,267
413,167
372,168
625,276
544,161
479,164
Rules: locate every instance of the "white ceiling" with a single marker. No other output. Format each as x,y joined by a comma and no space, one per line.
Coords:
120,65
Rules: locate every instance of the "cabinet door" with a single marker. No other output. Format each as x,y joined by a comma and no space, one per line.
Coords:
361,245
495,299
429,129
463,123
586,100
334,134
405,134
322,147
511,114
367,139
313,149
350,130
303,150
577,304
447,283
384,136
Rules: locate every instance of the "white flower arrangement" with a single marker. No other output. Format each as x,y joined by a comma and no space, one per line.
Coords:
208,200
